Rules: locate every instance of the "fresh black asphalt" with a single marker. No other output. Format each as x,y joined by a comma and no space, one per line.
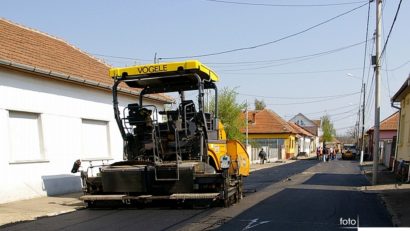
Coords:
318,203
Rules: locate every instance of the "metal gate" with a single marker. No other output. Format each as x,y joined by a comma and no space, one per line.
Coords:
272,154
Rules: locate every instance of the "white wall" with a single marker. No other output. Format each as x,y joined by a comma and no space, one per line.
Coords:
302,121
61,107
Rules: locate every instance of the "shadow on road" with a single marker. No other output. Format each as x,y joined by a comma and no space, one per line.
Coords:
265,177
353,180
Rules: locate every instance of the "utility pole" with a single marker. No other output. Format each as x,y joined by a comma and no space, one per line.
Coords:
376,137
363,109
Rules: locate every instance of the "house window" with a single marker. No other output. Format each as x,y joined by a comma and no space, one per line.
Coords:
95,139
26,141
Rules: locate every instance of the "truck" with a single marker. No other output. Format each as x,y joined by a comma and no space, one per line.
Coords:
179,154
349,151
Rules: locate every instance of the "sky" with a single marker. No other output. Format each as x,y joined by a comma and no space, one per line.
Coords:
299,56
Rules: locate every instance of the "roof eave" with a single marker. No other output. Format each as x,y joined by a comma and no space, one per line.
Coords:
73,79
405,88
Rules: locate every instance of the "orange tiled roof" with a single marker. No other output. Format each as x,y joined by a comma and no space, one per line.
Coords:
390,123
22,45
37,49
267,121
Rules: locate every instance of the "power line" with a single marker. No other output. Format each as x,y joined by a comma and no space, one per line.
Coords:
120,57
363,90
294,73
267,43
385,45
338,116
344,128
370,100
343,118
291,62
391,28
368,71
400,66
327,110
345,112
365,52
306,102
387,77
314,97
285,5
285,59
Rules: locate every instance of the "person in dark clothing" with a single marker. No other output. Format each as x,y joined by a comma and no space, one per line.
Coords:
325,154
262,156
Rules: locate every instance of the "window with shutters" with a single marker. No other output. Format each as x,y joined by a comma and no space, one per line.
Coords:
26,138
95,139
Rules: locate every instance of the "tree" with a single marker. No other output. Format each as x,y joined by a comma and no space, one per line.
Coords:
259,104
352,133
327,127
229,112
349,137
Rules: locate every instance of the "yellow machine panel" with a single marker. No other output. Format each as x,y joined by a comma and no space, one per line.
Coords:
233,148
163,69
216,151
239,157
221,131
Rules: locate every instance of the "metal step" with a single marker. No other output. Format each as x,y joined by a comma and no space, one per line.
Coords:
189,196
102,197
175,196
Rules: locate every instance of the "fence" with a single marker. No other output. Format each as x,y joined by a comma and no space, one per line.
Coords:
272,154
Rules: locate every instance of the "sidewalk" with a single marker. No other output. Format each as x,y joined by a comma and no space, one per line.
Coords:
32,209
395,194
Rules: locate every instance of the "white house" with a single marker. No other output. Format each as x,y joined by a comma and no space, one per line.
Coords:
55,107
304,140
312,126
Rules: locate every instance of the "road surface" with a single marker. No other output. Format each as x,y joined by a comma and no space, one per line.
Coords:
303,195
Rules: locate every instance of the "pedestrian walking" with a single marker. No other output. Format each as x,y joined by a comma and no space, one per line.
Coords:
331,153
262,156
325,154
321,153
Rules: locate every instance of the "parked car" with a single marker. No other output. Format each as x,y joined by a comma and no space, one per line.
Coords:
349,152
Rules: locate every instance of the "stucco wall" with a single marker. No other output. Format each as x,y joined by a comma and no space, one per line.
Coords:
403,152
302,121
61,107
387,135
